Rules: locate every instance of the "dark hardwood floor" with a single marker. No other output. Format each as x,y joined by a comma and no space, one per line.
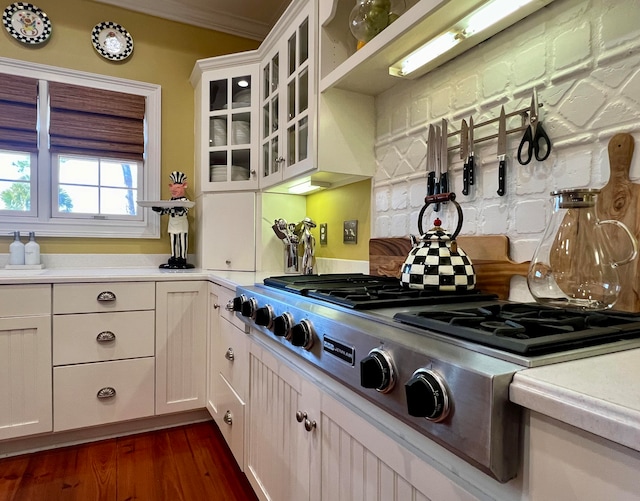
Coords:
188,463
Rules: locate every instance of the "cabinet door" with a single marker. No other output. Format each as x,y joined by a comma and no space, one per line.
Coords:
25,376
180,345
226,237
228,132
213,329
278,446
270,142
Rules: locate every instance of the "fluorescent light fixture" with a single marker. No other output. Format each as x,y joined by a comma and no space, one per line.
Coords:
489,14
308,186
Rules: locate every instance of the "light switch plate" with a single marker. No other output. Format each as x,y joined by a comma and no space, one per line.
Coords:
323,233
350,233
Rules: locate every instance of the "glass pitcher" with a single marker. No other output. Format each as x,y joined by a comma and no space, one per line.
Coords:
573,266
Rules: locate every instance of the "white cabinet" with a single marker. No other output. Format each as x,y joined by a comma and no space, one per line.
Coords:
226,104
181,323
103,353
303,444
226,234
227,370
287,99
25,360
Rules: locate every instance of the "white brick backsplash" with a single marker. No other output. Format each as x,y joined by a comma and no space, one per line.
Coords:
583,58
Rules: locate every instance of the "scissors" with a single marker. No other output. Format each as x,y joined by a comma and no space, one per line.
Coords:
535,141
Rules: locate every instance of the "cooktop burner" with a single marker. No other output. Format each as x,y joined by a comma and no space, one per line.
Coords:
527,328
365,292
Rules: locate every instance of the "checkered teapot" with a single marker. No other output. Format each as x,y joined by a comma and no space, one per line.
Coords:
436,262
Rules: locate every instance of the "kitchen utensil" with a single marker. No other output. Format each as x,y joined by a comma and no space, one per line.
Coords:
502,152
620,199
464,156
472,162
535,142
573,265
438,165
444,157
436,262
431,160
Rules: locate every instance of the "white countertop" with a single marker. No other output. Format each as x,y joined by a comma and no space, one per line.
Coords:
600,394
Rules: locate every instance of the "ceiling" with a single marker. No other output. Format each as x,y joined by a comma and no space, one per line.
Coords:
247,18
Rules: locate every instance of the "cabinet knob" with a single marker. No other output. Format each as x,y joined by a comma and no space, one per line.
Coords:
106,296
228,262
229,355
106,392
309,425
301,416
216,306
228,418
106,337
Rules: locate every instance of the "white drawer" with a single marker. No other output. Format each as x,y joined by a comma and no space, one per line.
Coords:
231,418
224,296
75,390
232,356
25,300
98,297
98,337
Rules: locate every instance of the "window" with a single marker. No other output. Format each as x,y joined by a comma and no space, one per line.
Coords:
76,152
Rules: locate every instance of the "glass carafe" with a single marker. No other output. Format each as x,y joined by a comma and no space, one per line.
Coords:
574,266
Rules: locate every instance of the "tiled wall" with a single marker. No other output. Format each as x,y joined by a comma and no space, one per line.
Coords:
583,56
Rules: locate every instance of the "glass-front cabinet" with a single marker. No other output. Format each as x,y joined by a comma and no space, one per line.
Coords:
287,102
228,129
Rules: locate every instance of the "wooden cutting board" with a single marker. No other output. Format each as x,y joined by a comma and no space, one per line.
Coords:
620,199
490,256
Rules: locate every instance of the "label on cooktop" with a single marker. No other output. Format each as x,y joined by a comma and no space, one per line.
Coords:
339,350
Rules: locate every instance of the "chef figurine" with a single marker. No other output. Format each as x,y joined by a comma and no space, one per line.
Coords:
178,226
309,243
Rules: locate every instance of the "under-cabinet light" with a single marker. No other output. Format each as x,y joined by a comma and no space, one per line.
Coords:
487,15
308,187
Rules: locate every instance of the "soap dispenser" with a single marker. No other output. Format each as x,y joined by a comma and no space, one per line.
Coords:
32,250
16,250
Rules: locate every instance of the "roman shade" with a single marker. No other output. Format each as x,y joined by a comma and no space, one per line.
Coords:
96,122
18,113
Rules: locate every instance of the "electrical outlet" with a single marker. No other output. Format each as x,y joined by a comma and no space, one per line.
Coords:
323,233
350,233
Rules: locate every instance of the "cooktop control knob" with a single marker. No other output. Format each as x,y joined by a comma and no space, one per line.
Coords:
249,307
427,395
235,304
302,334
377,371
264,316
282,325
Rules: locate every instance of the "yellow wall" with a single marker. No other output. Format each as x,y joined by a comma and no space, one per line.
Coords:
336,206
164,53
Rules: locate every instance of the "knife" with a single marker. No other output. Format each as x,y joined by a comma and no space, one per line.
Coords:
502,152
464,155
471,159
444,158
431,156
438,163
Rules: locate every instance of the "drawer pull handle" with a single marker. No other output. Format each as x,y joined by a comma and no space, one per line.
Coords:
106,392
229,355
106,296
106,337
228,418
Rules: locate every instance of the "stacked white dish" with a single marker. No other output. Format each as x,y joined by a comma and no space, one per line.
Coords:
241,132
239,173
218,133
218,173
242,98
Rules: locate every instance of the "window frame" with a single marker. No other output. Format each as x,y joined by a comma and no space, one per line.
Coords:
44,223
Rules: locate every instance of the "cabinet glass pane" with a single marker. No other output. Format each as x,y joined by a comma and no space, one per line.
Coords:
303,89
292,54
291,99
291,140
266,130
218,166
303,139
241,129
266,81
275,72
304,41
275,165
240,165
241,92
217,95
217,131
266,159
274,114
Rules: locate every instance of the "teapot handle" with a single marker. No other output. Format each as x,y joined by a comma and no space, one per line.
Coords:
441,197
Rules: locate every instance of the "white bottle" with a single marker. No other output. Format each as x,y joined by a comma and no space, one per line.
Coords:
16,250
32,250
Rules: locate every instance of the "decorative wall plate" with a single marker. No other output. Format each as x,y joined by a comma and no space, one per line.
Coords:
26,23
112,41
